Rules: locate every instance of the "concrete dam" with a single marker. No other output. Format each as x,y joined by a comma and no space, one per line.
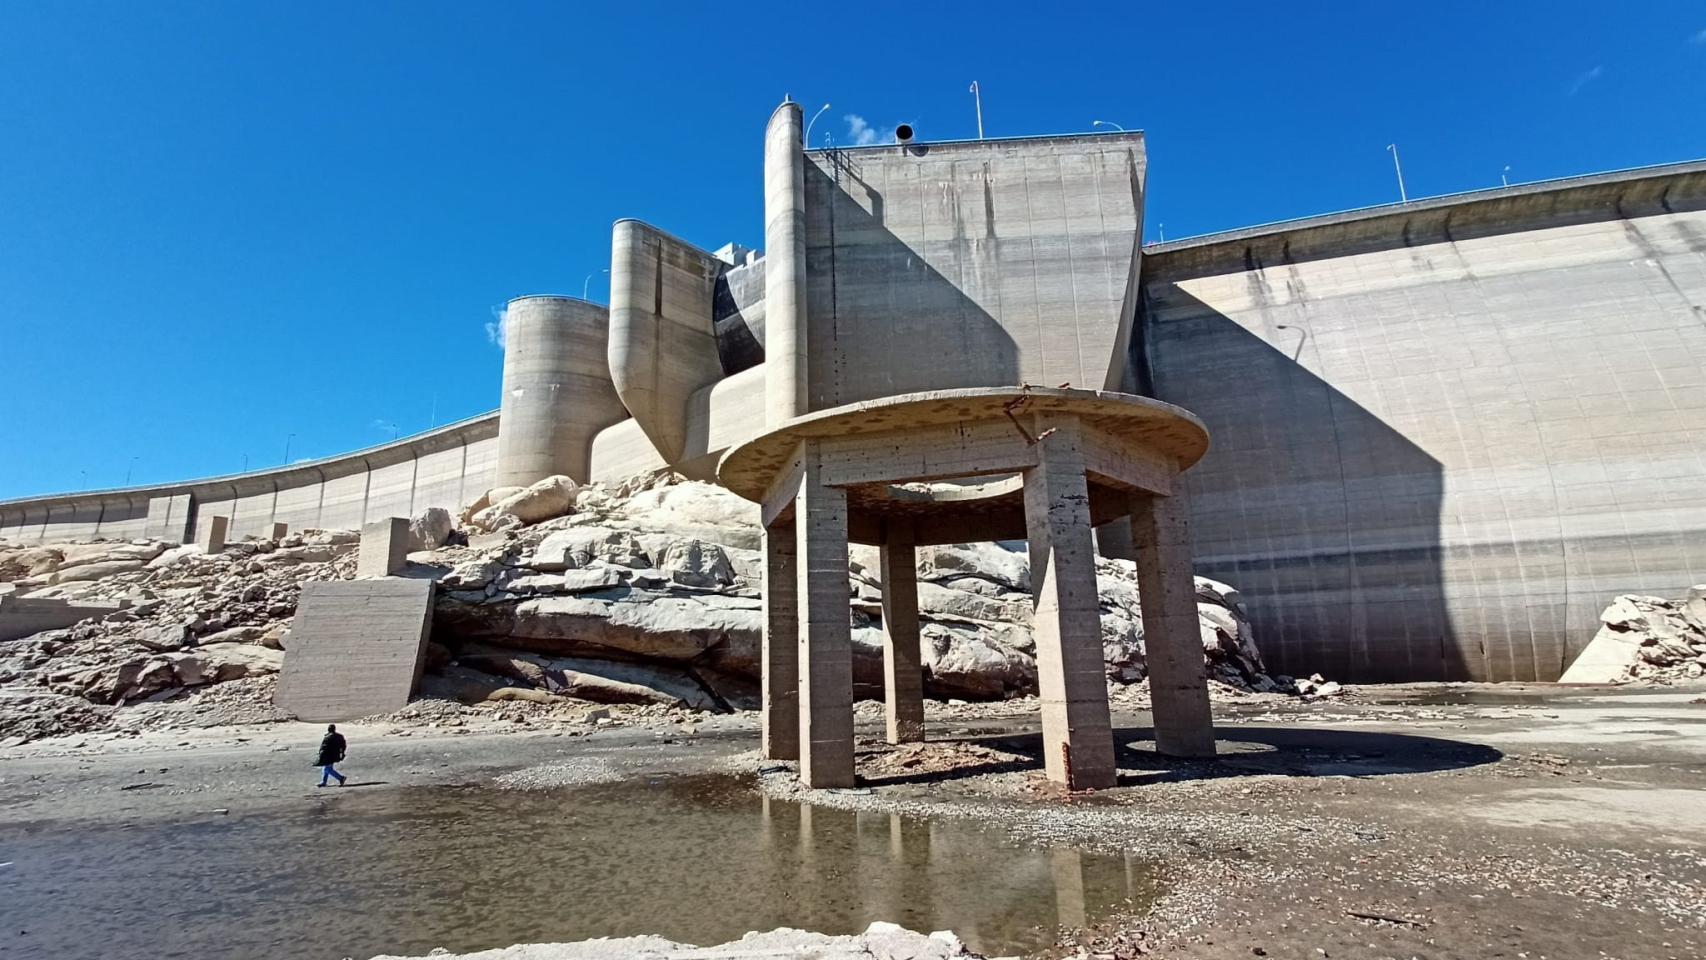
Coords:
1444,434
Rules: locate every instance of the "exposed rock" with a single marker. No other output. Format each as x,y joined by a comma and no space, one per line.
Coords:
1645,638
551,497
431,529
95,570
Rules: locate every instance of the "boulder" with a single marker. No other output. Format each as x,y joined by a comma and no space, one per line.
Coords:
430,529
98,570
579,546
551,497
226,661
695,563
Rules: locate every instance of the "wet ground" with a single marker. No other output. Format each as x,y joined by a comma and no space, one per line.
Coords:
1424,822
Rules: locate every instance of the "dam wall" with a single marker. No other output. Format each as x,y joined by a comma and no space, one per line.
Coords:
1445,434
446,467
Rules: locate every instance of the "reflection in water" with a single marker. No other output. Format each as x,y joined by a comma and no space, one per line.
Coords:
696,859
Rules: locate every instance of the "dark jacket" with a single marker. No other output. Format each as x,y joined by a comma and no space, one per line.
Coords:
331,750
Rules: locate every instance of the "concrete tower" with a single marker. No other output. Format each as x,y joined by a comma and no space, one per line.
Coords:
557,391
785,266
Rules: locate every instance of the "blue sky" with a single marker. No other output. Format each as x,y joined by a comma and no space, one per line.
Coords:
225,223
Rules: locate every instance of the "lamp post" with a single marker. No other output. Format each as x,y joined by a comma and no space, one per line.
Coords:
1505,175
287,447
129,468
1301,340
806,141
1105,123
587,285
1402,196
977,96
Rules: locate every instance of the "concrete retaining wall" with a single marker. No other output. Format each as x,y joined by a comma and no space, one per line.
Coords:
1445,436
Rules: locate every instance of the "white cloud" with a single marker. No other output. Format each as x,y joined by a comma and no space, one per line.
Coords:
495,329
1699,37
862,134
1586,78
859,132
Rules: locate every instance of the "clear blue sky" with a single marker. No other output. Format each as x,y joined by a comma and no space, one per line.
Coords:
223,223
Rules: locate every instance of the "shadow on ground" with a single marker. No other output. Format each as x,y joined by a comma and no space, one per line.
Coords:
1246,751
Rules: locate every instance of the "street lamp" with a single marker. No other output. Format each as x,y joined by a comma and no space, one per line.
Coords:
806,141
129,468
1504,175
1402,196
1301,340
287,447
1104,123
588,284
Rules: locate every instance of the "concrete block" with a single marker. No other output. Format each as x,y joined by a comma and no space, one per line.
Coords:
275,531
356,648
24,616
213,537
384,547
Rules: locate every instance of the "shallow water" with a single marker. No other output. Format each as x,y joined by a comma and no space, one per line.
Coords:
699,859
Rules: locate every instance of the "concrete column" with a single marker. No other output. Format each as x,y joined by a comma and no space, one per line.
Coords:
276,531
903,670
779,719
1078,743
785,393
213,538
1167,592
384,548
826,637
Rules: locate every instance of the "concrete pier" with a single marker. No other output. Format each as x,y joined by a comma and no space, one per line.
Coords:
826,637
780,691
1078,742
903,670
1178,686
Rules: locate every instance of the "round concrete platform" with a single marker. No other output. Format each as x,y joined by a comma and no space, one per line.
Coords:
749,468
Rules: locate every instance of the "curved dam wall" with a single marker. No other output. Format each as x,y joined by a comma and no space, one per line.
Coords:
446,467
1447,434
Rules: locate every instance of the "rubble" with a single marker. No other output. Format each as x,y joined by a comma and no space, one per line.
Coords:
1644,638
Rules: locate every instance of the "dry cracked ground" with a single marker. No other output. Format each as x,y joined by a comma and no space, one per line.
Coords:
1418,821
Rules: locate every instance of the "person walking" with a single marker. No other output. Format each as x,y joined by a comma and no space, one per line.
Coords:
331,752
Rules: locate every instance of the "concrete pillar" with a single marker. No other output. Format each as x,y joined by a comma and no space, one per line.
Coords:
1167,592
384,548
779,719
213,538
903,670
785,388
1078,743
557,391
826,637
276,531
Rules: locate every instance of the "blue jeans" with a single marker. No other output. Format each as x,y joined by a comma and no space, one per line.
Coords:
327,771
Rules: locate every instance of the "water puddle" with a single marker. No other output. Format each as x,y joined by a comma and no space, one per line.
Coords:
699,859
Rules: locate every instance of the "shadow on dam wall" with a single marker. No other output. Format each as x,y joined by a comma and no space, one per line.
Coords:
893,321
1325,518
